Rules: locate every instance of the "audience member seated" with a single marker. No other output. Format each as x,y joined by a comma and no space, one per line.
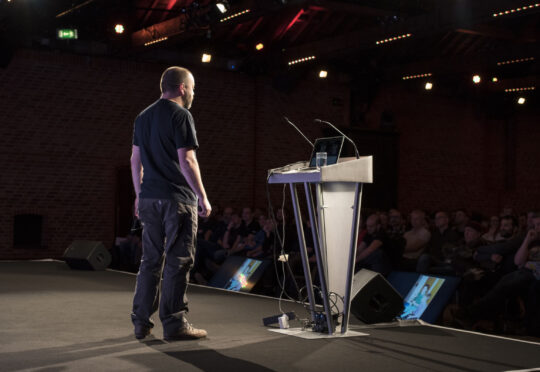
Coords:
441,236
492,234
497,256
460,258
383,218
395,240
522,282
371,254
508,228
248,222
461,219
264,239
416,240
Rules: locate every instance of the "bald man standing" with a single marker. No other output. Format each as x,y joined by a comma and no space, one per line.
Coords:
168,187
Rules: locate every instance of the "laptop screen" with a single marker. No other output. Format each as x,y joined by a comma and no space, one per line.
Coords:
331,145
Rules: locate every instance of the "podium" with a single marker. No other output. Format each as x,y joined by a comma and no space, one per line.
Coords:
334,218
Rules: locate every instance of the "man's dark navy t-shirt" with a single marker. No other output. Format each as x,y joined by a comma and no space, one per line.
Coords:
161,129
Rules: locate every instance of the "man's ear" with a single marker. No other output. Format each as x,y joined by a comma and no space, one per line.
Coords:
182,89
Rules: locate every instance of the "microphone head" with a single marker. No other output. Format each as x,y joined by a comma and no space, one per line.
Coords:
317,121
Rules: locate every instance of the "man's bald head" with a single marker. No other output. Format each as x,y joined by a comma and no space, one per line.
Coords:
173,77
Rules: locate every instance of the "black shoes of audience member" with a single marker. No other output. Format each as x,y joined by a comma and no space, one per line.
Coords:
187,332
141,332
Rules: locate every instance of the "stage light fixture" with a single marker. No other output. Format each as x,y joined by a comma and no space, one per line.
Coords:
428,86
323,74
155,41
408,77
516,10
235,15
495,79
394,38
259,46
223,6
476,79
206,58
521,100
119,28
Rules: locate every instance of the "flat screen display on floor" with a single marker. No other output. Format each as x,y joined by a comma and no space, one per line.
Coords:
239,273
425,296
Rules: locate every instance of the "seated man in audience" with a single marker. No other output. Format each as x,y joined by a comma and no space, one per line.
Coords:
263,241
416,239
508,227
499,256
370,253
460,258
461,219
249,223
396,241
518,282
441,237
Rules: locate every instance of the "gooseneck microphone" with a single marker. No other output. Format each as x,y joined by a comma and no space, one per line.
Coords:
299,131
340,132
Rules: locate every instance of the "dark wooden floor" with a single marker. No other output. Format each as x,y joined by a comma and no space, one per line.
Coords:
57,319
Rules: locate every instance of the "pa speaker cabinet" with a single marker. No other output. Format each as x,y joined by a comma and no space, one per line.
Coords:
87,255
374,300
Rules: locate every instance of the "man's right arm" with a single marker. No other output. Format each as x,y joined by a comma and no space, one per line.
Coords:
190,169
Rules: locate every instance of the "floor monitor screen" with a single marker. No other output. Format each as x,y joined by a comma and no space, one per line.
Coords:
425,296
239,274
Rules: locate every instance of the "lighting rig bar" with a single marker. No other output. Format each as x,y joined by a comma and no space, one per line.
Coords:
394,38
156,41
300,60
408,77
235,15
510,90
516,10
515,61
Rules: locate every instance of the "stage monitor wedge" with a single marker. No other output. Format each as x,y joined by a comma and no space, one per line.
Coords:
374,300
87,255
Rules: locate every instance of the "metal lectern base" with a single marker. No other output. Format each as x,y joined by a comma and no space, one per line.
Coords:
310,335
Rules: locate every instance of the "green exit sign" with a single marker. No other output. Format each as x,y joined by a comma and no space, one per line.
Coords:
66,33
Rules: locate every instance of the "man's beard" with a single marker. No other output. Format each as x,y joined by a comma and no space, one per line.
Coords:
189,101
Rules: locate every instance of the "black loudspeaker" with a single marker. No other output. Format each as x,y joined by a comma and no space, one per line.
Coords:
87,255
374,300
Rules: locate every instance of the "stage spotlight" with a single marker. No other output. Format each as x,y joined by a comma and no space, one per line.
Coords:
119,28
495,79
521,100
223,6
476,79
323,74
206,58
428,86
259,46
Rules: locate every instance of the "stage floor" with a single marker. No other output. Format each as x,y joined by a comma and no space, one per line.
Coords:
57,319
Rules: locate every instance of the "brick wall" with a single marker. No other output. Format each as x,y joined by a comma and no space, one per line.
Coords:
66,126
453,153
